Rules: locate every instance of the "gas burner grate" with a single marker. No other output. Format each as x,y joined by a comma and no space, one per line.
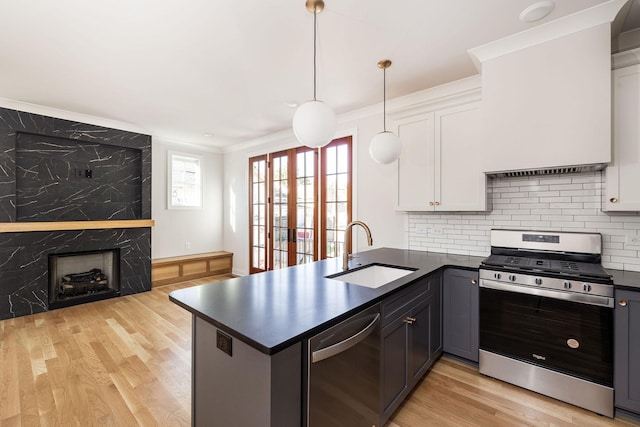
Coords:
512,260
568,265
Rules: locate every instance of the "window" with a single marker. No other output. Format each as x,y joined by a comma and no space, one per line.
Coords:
184,184
286,214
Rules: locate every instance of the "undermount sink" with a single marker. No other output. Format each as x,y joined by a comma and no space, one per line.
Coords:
372,276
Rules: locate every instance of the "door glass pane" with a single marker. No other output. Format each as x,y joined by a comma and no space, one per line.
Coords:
341,195
280,225
331,163
343,159
258,214
337,197
305,206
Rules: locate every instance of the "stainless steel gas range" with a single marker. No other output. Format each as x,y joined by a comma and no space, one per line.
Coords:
546,316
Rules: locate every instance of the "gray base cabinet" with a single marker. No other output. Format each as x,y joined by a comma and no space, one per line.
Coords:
461,319
411,339
222,384
627,350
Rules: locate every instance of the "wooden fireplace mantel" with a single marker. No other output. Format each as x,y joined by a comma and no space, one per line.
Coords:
19,227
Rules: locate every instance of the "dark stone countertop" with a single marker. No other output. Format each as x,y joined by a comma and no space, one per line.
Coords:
625,280
275,309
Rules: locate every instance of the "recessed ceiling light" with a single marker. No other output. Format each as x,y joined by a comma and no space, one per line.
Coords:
537,11
291,104
207,134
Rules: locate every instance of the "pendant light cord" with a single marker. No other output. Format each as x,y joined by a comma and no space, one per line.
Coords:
315,17
384,102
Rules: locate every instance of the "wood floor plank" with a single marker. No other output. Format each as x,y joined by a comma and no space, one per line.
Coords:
127,362
455,394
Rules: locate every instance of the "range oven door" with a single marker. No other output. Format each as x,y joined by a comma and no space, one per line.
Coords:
570,337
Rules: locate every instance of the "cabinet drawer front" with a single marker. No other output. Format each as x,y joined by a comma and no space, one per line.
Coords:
396,305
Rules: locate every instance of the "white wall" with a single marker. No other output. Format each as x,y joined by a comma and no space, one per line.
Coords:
202,228
562,202
374,191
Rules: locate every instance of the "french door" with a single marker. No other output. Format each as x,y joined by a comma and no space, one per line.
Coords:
283,212
285,206
293,207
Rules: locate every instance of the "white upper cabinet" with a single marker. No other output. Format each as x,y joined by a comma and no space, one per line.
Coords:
622,176
546,94
460,184
416,181
438,169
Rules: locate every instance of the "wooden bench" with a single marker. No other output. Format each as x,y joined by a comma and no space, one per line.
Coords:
165,271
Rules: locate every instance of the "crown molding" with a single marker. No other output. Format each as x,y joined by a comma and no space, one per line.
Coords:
626,58
176,142
570,24
447,95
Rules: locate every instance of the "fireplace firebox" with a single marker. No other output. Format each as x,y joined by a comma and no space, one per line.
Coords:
80,277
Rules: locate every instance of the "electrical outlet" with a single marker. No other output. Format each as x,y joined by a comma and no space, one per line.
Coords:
437,230
187,245
224,342
632,239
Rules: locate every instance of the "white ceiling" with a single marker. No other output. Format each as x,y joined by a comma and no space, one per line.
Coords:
180,69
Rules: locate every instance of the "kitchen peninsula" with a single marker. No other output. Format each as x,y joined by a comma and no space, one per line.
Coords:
248,332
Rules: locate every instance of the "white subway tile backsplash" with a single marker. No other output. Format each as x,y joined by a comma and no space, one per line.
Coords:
572,209
623,253
560,202
544,193
554,199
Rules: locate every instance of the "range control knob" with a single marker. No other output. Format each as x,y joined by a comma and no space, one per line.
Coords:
497,275
512,277
586,287
538,281
567,285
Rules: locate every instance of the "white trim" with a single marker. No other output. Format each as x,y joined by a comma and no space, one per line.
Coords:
353,133
626,58
570,24
451,94
628,40
175,142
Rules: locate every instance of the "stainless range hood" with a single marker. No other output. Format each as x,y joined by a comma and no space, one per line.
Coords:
548,171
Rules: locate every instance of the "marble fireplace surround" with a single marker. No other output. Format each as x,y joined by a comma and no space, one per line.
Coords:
93,219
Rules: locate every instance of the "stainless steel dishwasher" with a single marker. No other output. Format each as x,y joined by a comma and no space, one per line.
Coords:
343,383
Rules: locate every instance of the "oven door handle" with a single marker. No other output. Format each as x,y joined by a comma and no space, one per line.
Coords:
567,296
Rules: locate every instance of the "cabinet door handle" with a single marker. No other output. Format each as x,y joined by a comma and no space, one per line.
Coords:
474,282
409,320
613,200
623,303
437,203
430,203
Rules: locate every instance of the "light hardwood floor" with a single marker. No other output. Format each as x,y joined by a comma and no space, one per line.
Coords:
127,362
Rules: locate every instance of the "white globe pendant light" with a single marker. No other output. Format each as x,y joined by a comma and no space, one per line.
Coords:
314,122
386,146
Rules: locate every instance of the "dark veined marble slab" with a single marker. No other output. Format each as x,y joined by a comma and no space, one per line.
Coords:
39,150
24,258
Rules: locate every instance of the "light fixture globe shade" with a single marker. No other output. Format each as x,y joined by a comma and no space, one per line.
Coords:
314,124
385,147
